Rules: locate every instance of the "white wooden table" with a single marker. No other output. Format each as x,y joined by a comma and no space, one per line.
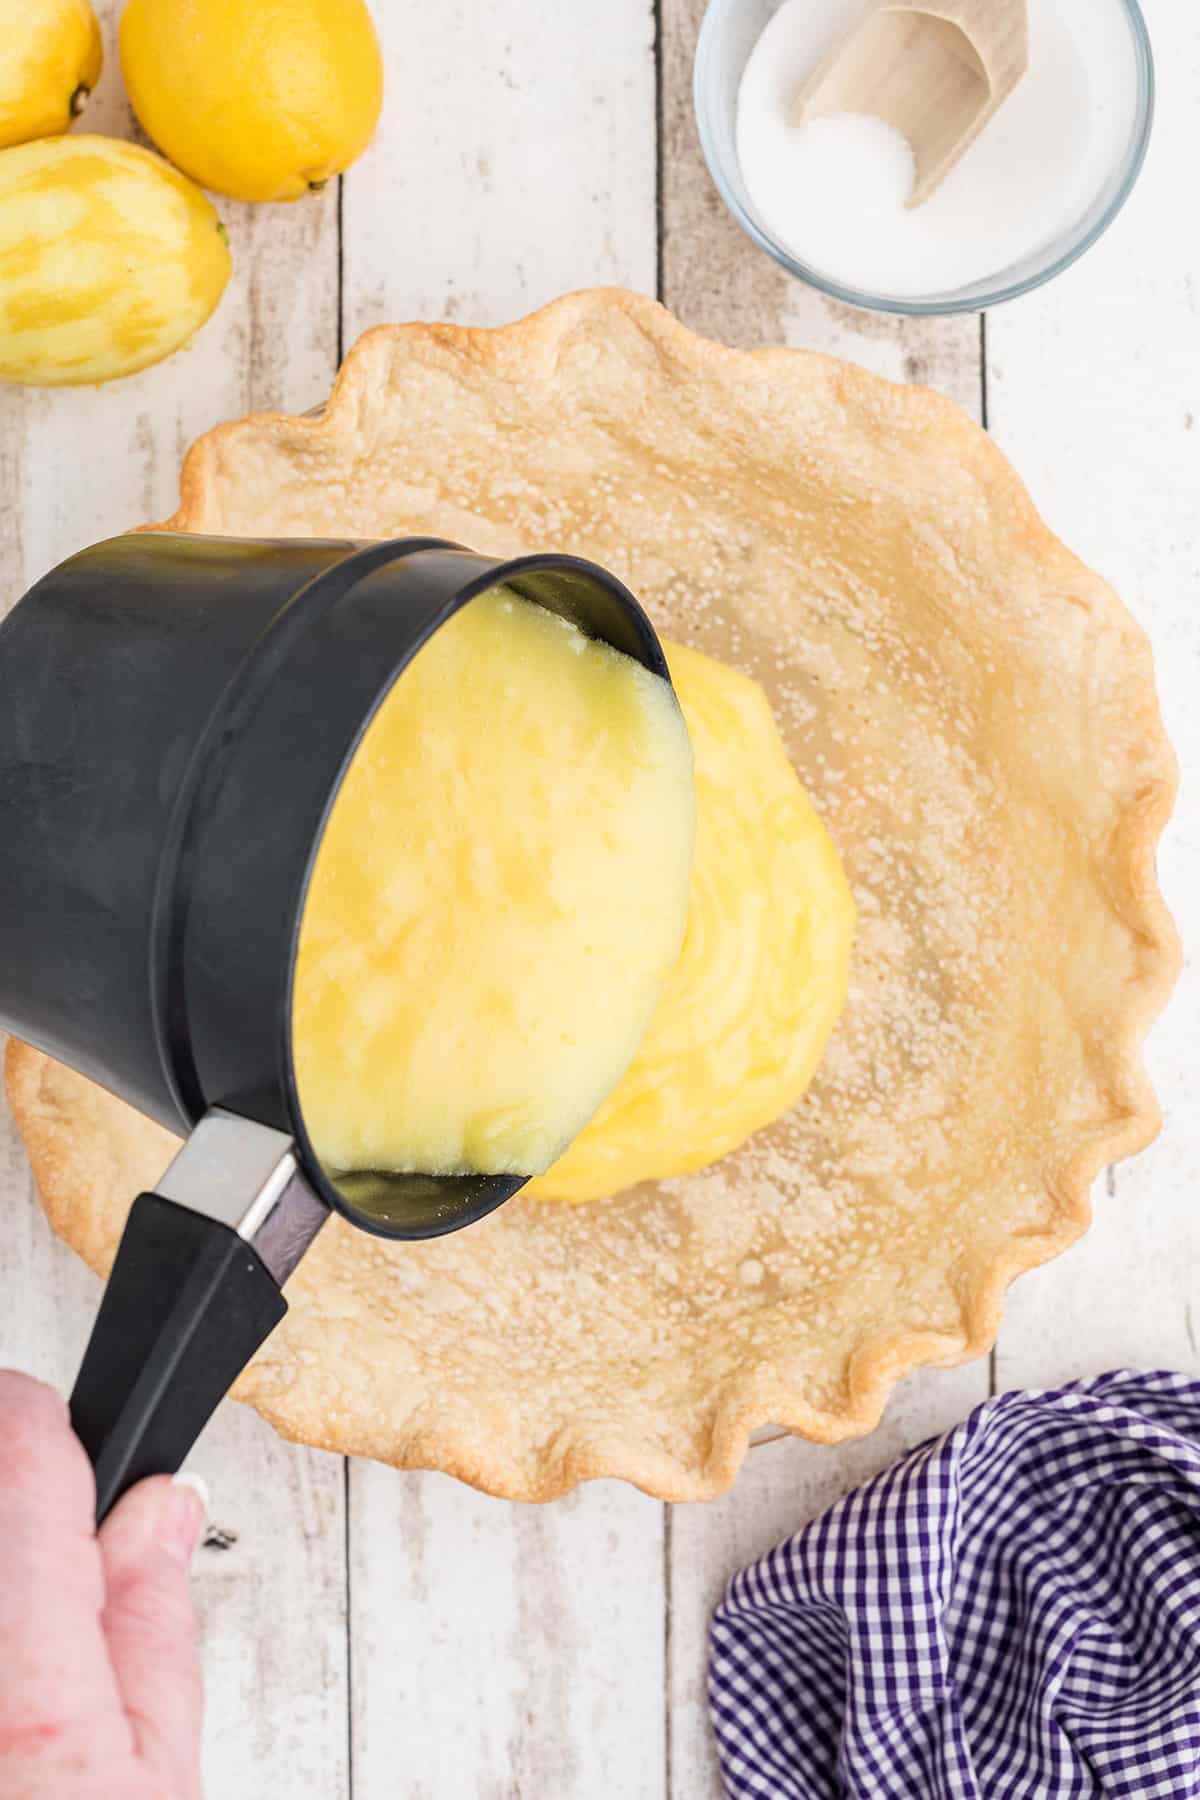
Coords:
381,1635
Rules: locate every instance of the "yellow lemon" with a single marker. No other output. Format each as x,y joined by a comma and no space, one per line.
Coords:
49,65
262,101
109,260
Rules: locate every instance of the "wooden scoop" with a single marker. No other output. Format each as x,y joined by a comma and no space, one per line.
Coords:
935,69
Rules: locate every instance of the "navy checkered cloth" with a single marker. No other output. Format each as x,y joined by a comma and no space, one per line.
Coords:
1011,1613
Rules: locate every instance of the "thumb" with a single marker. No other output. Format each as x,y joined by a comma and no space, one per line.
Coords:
146,1545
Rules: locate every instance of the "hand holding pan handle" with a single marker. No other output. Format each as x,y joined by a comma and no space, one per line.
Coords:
193,1293
197,745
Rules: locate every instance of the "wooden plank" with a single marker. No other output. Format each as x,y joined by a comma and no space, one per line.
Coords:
76,465
498,1649
1094,389
720,284
514,161
503,1650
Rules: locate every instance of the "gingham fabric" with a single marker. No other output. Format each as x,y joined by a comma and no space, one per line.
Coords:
1011,1613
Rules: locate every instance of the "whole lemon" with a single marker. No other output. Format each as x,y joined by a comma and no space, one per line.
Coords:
50,63
261,101
109,260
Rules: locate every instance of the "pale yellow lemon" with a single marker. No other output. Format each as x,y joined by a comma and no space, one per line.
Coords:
498,896
746,1013
109,260
50,60
261,102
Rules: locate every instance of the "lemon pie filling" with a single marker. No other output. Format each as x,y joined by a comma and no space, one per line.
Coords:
748,1009
500,891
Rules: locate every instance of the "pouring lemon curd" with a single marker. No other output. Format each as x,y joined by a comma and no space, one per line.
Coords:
510,962
745,1014
499,894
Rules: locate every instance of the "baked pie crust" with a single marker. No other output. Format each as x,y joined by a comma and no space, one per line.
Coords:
974,714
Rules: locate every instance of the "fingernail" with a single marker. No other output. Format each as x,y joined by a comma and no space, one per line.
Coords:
184,1514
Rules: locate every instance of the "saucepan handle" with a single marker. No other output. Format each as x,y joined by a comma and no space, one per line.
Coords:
193,1293
187,1305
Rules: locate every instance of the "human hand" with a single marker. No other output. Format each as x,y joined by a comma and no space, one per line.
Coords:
100,1693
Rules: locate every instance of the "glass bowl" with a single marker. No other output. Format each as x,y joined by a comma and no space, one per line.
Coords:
728,34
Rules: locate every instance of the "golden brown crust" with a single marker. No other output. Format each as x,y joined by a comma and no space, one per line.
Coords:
974,713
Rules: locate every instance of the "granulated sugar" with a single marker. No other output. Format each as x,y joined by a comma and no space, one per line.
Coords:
833,191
